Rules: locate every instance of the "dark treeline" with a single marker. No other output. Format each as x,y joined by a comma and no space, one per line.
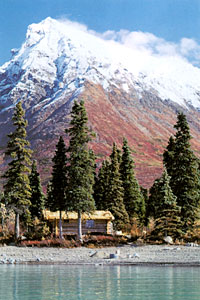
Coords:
76,185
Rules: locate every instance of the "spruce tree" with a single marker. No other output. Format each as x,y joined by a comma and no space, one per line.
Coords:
101,186
81,164
49,197
37,197
182,166
168,156
154,202
57,199
166,211
17,187
133,198
145,193
115,194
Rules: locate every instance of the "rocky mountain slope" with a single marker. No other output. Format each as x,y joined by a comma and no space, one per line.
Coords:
126,94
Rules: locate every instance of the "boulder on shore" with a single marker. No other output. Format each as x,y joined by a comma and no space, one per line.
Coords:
168,240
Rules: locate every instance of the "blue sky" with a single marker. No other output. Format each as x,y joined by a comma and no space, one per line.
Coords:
171,20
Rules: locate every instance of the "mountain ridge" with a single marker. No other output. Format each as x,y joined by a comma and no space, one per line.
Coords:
126,93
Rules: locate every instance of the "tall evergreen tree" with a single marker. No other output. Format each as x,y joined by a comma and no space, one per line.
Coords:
57,194
166,211
145,193
155,201
115,194
133,198
81,164
17,187
101,186
37,197
168,156
49,197
182,166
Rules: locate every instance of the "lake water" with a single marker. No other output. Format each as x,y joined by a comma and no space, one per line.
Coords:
38,282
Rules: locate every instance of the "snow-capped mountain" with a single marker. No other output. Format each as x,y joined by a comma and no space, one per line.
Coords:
63,57
126,93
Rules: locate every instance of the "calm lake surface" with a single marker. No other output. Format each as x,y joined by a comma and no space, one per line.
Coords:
102,282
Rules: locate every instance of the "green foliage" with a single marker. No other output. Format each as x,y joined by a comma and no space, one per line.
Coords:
168,223
145,193
133,198
164,208
81,166
115,194
7,219
154,199
37,197
182,166
57,189
101,186
38,230
49,198
17,187
3,210
168,156
161,195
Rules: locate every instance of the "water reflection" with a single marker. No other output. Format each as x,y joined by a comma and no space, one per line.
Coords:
100,282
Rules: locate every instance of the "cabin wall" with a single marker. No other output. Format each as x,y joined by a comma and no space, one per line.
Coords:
88,226
109,227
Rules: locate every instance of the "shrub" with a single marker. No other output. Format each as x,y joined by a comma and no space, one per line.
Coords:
37,230
93,241
50,243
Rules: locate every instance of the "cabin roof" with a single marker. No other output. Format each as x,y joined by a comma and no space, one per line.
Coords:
96,215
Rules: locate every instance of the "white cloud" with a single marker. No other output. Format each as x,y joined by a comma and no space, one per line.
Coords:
188,45
148,43
77,25
143,41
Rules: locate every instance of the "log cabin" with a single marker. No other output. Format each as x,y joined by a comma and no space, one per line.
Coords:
97,222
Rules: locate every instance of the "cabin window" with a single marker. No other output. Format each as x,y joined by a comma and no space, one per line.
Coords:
89,223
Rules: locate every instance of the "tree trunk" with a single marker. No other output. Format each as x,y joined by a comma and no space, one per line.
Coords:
166,223
79,227
60,226
17,226
2,222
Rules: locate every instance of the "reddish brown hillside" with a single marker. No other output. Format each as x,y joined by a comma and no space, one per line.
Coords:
114,116
147,123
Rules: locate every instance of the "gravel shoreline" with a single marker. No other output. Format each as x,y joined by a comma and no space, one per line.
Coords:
123,255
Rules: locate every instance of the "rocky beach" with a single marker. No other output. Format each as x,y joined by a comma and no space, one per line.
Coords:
122,255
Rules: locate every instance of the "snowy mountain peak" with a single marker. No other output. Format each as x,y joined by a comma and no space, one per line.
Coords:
61,56
125,92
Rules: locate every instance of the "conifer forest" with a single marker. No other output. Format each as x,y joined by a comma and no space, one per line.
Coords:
78,183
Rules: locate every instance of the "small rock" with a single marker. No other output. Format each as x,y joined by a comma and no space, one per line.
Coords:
136,255
178,249
93,253
118,232
3,261
113,255
192,245
168,240
128,236
11,261
38,259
